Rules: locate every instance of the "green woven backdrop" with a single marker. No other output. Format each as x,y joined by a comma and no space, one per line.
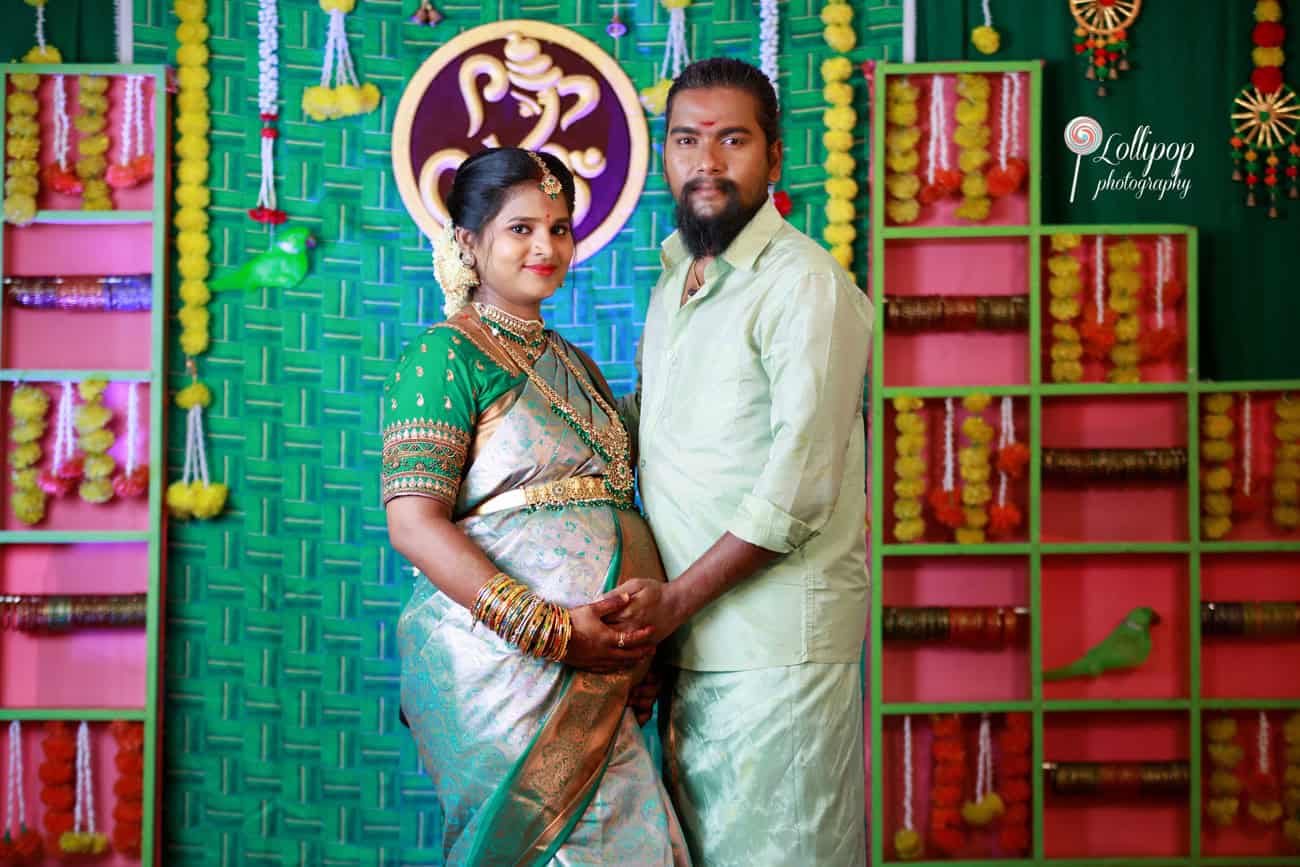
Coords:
282,738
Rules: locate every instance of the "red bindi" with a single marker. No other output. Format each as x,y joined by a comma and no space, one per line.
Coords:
707,123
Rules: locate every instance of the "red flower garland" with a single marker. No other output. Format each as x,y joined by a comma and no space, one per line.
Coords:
128,815
949,753
58,773
1013,785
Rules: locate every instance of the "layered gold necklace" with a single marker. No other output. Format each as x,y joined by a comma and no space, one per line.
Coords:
524,341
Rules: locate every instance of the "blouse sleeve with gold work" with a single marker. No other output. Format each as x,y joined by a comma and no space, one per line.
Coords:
429,417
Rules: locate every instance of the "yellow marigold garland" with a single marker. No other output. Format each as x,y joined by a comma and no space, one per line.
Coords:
22,146
1125,283
28,407
837,15
902,182
909,468
1225,787
348,96
1216,479
840,119
1286,464
191,222
972,137
95,440
42,51
976,470
1291,781
1066,289
92,144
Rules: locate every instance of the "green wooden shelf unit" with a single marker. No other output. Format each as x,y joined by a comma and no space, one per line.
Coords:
71,550
1052,559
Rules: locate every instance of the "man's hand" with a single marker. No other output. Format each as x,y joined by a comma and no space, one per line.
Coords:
643,697
596,646
652,605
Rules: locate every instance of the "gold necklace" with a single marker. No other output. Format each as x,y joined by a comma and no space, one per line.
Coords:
611,441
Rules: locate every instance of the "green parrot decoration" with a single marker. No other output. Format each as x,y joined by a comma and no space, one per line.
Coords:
1127,646
281,267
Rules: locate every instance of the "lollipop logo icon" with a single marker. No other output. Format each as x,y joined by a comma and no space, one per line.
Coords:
1083,135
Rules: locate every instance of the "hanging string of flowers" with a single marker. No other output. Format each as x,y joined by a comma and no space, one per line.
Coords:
134,161
92,144
769,28
28,406
340,93
1159,343
1008,175
987,805
133,481
972,137
840,118
1224,803
96,439
1246,499
1265,114
195,495
908,844
1264,805
676,58
986,38
57,175
65,467
1014,786
42,52
184,499
944,500
1125,289
941,179
1012,457
20,846
58,775
909,468
976,492
1286,463
1291,778
128,814
901,157
268,106
948,782
83,839
1216,454
837,16
1098,325
1066,288
22,149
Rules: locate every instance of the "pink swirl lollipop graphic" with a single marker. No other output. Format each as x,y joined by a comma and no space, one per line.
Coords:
1082,136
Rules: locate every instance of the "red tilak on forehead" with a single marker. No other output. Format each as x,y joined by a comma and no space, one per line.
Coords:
708,123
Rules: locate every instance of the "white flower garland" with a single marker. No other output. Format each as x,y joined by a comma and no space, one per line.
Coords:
61,122
268,99
769,16
938,152
131,139
677,55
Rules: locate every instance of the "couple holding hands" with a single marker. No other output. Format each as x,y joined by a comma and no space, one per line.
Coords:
549,616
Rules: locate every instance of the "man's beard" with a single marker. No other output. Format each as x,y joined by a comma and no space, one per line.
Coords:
709,236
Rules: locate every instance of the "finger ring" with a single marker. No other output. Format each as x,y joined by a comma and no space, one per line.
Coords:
621,637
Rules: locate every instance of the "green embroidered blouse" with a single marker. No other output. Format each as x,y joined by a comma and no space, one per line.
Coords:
432,402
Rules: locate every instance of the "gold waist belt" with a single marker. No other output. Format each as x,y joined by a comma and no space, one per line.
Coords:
580,489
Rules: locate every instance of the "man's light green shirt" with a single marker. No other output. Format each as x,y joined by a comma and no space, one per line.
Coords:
751,422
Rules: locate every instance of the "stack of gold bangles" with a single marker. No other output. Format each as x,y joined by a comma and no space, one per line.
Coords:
524,619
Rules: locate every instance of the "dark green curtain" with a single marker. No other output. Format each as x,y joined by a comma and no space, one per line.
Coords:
82,30
1189,60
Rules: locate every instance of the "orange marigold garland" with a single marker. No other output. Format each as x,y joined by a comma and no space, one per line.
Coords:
1216,455
1125,283
973,136
20,846
1286,464
1066,288
128,815
901,157
976,492
1224,803
949,780
909,468
58,774
1014,785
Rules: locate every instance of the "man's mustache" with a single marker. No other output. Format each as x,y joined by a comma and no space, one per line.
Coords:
724,184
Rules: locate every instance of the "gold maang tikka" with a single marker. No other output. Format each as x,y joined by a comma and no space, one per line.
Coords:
550,183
